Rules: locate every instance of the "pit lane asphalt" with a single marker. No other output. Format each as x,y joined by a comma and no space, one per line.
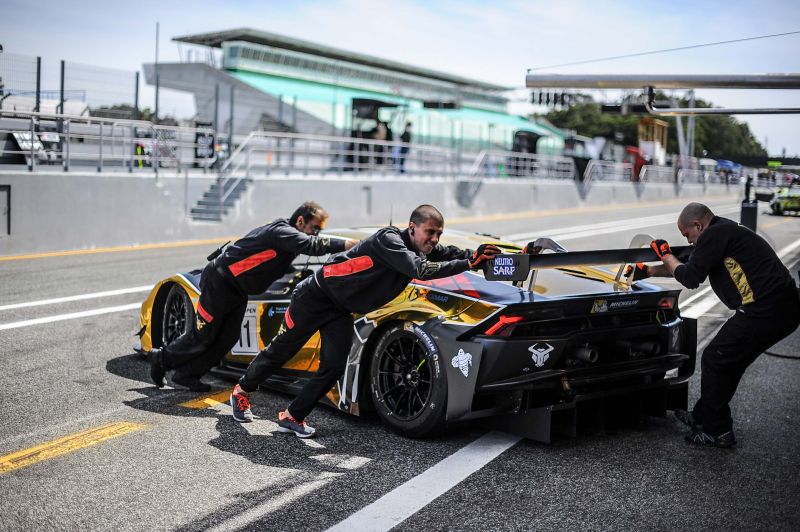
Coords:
197,469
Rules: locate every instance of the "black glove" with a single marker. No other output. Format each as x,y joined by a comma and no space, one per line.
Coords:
531,249
482,254
640,271
661,247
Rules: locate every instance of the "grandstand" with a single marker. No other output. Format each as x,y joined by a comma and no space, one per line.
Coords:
280,83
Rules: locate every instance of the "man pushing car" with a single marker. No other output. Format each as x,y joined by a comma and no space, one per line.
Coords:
747,275
359,281
246,267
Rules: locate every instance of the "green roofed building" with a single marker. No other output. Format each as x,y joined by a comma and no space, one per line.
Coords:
287,84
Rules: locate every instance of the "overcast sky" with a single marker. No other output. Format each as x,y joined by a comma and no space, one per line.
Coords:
495,41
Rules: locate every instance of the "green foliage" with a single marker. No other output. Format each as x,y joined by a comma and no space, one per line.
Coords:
718,135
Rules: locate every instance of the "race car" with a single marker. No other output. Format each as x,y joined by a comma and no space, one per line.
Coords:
563,348
786,199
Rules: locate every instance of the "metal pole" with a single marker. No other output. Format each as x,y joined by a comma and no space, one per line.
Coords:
66,158
100,162
216,111
32,164
230,128
38,83
61,97
136,98
157,80
690,126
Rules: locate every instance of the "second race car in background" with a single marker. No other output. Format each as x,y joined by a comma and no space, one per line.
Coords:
568,347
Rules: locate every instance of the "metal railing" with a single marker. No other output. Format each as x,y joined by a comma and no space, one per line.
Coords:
104,143
268,153
657,174
597,170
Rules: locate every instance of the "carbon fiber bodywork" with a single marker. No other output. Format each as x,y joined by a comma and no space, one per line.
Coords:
494,349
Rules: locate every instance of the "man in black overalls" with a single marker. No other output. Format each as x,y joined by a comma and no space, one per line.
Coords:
365,278
749,278
246,267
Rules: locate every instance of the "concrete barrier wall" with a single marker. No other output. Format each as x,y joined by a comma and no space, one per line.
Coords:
67,212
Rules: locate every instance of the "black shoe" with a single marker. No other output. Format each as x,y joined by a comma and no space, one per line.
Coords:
726,440
687,418
157,369
188,381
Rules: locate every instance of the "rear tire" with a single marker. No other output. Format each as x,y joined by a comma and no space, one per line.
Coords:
408,384
178,315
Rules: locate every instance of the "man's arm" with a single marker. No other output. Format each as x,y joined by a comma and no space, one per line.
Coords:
294,241
391,250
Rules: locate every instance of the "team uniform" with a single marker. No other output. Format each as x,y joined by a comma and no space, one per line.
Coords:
366,277
246,267
746,275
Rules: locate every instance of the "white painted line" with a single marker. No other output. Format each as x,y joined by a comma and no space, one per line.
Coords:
409,498
70,316
695,297
604,228
788,249
80,297
286,498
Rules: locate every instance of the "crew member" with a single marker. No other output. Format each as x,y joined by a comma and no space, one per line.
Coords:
747,275
246,267
365,278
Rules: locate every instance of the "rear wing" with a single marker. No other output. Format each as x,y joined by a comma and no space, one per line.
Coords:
516,267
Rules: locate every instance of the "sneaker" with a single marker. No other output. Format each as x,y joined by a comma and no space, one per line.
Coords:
726,440
189,381
687,418
287,423
240,402
157,369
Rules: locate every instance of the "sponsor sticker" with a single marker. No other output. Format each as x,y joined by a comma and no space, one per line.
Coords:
540,352
462,361
604,305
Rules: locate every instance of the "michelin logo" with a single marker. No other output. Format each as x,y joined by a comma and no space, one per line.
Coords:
504,266
540,354
462,361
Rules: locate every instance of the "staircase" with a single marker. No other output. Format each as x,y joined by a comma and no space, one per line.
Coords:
219,198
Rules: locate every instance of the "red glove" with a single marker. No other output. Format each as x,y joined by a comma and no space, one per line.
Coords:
482,254
661,247
531,249
640,271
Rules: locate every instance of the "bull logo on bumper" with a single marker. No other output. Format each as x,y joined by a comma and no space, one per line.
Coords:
462,361
540,354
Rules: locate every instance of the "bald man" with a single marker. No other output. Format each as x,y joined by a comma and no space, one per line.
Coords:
746,275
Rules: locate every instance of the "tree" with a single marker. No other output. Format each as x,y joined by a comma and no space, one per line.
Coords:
714,134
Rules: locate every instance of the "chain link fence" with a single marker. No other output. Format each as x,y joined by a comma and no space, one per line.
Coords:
108,92
17,80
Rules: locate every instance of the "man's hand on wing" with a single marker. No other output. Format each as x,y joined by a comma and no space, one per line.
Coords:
639,271
661,248
482,254
531,249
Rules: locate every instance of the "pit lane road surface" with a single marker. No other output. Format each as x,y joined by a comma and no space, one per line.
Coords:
88,443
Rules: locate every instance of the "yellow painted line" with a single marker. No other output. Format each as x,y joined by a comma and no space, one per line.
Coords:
67,444
773,224
207,401
163,245
449,221
570,210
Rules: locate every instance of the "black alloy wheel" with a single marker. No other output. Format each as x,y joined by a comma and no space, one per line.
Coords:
409,388
178,315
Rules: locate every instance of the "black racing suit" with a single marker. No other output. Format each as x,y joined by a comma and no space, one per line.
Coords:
366,277
748,277
246,267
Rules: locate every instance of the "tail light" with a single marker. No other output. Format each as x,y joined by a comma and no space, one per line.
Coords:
502,323
667,302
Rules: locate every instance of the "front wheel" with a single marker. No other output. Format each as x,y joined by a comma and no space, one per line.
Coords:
408,384
178,315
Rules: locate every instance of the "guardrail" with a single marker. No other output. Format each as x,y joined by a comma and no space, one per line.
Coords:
607,171
70,140
277,152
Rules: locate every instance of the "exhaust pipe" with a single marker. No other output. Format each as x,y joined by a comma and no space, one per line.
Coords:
648,347
586,354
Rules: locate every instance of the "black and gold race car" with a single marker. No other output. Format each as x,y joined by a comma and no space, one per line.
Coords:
564,348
